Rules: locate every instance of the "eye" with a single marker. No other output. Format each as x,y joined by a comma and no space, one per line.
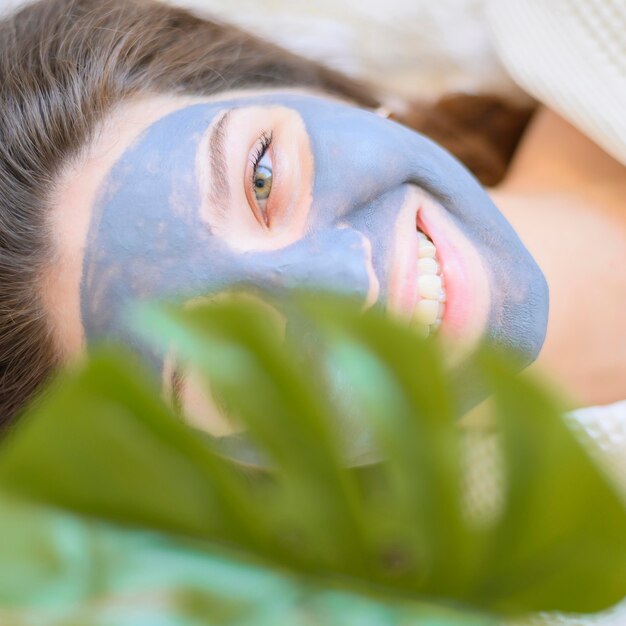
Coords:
262,175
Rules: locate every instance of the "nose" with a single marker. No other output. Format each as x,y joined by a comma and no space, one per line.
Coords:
337,259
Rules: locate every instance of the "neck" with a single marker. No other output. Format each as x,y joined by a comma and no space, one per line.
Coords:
565,197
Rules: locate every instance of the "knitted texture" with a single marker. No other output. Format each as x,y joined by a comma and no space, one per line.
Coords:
570,55
603,432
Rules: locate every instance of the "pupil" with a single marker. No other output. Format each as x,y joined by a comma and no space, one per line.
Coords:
259,183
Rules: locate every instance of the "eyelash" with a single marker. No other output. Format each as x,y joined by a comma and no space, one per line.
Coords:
263,145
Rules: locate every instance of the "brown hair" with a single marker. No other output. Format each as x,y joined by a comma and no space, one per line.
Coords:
64,64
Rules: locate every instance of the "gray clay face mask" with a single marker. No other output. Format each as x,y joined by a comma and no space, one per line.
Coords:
152,235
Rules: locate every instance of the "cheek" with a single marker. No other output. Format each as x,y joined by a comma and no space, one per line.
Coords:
356,162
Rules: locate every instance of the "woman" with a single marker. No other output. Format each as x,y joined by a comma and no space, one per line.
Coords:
147,153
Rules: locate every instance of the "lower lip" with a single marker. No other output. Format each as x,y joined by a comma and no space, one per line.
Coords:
466,285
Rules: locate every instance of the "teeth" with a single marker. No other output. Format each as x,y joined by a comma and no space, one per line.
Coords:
426,249
430,309
427,266
429,286
426,312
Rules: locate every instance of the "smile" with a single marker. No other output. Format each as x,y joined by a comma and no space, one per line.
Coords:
438,282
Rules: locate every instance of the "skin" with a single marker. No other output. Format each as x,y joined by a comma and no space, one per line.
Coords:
565,197
146,214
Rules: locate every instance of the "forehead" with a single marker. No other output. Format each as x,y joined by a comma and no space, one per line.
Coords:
145,222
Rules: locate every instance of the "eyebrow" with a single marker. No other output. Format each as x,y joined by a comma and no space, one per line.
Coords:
219,190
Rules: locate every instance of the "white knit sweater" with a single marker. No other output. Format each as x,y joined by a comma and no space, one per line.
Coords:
570,55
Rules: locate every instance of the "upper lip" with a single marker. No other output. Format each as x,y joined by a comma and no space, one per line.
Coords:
403,294
467,286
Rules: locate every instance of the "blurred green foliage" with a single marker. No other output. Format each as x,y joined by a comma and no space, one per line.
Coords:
165,528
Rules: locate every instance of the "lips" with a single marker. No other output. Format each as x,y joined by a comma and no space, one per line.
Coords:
437,279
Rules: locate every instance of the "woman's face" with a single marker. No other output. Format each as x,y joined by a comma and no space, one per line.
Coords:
282,190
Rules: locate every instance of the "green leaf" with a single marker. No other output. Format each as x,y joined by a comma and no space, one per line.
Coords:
103,444
562,520
56,569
